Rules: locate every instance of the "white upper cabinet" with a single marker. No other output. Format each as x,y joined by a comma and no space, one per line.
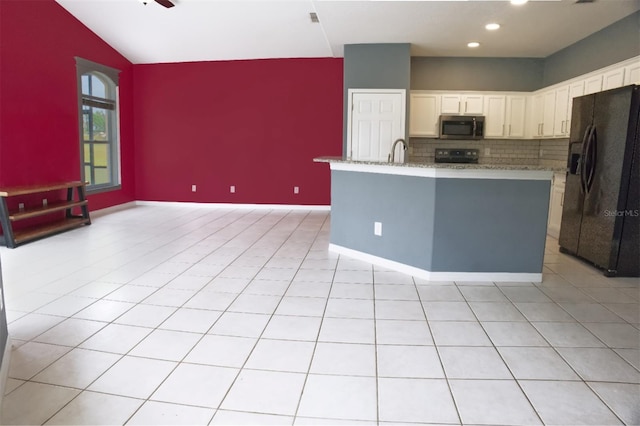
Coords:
471,104
549,111
494,124
593,84
561,119
504,116
576,89
544,107
632,74
424,114
515,116
537,115
613,79
545,113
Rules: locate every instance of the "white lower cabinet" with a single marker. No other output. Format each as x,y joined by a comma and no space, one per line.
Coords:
555,205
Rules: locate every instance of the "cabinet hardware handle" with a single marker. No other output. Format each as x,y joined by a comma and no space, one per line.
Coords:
465,106
562,200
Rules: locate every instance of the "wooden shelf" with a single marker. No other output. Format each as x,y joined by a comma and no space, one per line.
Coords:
36,232
41,211
13,238
34,189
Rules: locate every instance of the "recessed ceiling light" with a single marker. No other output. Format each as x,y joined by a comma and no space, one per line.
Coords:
518,2
473,44
492,26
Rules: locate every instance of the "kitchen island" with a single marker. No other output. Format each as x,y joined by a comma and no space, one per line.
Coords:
443,222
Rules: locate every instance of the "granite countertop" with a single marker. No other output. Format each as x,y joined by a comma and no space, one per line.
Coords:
458,166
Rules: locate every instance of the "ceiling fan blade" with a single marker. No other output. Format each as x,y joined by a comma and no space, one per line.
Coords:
165,3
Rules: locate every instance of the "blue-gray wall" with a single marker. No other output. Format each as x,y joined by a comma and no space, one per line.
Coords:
404,206
507,74
4,333
376,66
442,225
612,44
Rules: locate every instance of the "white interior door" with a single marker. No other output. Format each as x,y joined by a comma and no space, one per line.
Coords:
377,119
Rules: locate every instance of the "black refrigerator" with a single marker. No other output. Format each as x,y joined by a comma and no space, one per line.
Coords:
601,211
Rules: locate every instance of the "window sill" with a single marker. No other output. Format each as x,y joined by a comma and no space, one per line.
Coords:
101,189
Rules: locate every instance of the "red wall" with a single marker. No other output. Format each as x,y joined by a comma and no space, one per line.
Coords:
253,124
38,97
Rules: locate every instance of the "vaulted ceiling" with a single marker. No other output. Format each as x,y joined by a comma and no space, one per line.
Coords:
203,30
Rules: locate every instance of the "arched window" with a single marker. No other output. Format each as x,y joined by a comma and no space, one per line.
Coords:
99,130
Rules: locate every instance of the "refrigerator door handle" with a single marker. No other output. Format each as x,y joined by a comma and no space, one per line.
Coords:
581,167
592,152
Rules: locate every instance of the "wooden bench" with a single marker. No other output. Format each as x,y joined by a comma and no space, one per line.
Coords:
12,238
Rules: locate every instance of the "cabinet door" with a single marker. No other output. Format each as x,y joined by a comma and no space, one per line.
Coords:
537,116
472,104
494,116
450,104
561,109
575,90
548,113
632,74
424,115
515,116
593,85
613,79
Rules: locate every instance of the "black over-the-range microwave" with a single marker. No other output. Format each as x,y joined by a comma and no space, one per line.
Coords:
461,127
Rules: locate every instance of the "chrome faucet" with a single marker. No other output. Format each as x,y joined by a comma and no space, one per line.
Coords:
393,149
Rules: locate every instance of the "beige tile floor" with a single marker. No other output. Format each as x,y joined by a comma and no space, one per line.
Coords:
187,315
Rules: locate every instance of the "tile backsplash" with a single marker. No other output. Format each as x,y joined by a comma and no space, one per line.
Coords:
543,152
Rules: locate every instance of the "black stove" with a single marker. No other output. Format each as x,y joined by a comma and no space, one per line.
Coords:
455,155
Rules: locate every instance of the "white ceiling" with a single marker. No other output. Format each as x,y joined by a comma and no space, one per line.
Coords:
204,30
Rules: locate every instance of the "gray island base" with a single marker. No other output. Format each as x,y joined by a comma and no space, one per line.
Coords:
442,222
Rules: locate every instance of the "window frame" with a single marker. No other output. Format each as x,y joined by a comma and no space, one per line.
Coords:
84,66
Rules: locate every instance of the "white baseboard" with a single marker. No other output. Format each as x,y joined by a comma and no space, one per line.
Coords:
437,276
112,209
234,206
4,370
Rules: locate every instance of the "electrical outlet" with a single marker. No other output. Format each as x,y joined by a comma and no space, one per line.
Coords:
487,151
193,188
232,189
377,228
541,152
21,207
45,203
296,190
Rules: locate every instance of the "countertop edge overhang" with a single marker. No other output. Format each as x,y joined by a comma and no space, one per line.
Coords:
445,170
